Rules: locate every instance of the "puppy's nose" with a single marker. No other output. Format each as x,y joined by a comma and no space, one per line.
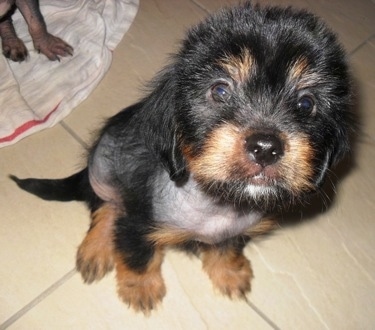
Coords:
264,149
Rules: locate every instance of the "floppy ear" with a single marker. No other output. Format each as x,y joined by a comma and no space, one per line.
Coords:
162,135
165,145
174,161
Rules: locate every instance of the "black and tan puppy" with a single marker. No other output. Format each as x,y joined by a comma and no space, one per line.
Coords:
44,42
245,121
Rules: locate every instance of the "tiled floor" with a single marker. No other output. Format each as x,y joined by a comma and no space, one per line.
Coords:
319,274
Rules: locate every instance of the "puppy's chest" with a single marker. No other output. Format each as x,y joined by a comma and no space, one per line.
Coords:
188,208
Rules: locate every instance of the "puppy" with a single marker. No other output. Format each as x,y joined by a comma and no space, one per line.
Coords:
45,43
244,122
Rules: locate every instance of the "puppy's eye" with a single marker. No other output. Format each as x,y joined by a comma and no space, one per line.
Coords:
306,103
221,92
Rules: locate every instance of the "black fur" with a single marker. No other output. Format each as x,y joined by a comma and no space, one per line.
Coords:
143,147
64,190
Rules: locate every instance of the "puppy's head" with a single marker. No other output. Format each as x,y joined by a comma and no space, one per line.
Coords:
263,98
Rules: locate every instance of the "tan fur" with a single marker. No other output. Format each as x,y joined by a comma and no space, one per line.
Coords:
261,228
223,154
299,68
218,151
229,271
300,72
95,254
224,157
238,67
169,236
296,165
142,291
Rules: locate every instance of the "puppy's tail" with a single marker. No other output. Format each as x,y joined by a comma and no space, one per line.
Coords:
75,187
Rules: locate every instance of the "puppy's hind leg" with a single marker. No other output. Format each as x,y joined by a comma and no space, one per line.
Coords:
229,270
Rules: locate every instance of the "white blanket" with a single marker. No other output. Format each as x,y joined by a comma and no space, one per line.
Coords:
38,93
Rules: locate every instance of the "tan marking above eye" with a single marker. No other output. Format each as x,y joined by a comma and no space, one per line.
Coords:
303,74
238,67
298,68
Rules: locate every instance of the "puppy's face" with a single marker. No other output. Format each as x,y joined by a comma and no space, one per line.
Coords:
263,99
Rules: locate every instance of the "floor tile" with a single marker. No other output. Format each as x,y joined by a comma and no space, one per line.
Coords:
363,66
96,306
38,239
353,21
218,311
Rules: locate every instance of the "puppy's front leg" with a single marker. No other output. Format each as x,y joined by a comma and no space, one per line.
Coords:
138,272
229,270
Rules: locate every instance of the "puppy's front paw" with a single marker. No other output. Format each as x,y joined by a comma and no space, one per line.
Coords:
92,262
142,291
229,272
95,256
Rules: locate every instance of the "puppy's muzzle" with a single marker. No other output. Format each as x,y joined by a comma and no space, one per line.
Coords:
264,148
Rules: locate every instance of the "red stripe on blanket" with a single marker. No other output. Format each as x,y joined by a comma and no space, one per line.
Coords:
26,126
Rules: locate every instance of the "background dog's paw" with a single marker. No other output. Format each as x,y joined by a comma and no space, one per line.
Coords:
14,49
53,47
230,273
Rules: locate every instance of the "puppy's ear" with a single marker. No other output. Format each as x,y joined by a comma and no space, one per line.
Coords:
166,147
174,161
162,135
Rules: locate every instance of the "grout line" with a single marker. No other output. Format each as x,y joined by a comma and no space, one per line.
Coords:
73,134
15,317
366,138
363,43
200,6
262,315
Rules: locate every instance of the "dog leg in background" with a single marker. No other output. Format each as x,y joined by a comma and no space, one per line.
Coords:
44,42
13,47
229,270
